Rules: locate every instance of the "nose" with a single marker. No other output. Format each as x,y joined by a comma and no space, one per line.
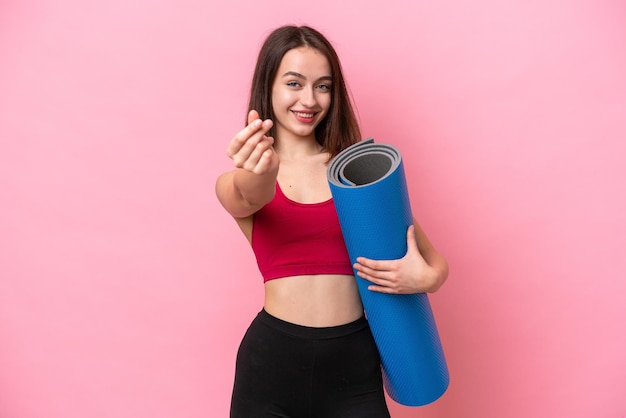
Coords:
307,97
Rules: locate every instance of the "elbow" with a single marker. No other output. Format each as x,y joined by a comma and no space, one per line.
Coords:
441,276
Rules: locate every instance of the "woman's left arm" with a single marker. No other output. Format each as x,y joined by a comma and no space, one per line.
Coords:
421,270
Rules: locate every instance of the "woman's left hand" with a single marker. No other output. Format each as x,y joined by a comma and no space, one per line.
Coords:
409,274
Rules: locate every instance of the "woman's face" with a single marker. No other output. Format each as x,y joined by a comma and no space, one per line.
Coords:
301,93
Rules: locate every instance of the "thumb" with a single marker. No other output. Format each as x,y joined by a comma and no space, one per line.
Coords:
411,240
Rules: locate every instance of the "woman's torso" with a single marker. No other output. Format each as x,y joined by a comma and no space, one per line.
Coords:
318,300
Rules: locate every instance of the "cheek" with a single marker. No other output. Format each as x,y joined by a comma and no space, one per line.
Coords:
281,98
275,100
324,102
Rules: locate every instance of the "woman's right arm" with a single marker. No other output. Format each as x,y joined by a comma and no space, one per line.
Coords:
252,184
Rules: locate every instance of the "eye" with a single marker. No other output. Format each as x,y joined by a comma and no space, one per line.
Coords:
324,87
293,84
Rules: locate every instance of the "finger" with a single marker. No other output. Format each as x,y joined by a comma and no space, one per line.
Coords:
375,276
381,285
264,162
254,159
243,136
411,239
247,139
252,115
381,289
374,265
254,146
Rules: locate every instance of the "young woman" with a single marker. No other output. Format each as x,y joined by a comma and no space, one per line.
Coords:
309,352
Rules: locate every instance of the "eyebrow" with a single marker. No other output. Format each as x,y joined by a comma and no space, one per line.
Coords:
295,74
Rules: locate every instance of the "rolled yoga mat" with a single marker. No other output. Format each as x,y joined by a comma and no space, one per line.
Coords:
369,189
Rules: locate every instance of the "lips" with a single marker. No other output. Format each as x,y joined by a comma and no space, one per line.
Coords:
304,116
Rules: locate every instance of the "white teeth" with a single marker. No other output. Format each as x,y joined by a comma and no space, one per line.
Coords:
304,115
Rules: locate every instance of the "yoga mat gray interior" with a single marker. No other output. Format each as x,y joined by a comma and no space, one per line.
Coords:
369,189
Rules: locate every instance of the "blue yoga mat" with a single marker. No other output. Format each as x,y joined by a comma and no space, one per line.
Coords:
368,186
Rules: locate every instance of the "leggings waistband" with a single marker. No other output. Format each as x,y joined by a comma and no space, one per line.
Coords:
314,333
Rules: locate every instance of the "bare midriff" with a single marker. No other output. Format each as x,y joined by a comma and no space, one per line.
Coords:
322,300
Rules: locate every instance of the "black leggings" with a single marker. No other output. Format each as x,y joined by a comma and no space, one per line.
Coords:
292,371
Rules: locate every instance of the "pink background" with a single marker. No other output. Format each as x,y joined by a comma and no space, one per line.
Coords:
125,288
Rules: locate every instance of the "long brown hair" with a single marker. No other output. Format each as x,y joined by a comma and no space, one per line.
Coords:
339,128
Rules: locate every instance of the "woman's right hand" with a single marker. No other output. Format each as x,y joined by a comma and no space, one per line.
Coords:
251,149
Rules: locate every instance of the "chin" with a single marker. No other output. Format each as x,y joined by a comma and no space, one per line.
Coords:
304,132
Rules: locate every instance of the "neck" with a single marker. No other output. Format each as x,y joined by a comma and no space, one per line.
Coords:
295,148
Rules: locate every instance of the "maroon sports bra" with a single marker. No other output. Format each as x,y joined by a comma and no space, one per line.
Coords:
291,239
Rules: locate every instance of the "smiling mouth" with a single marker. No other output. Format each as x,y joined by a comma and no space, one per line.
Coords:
304,115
